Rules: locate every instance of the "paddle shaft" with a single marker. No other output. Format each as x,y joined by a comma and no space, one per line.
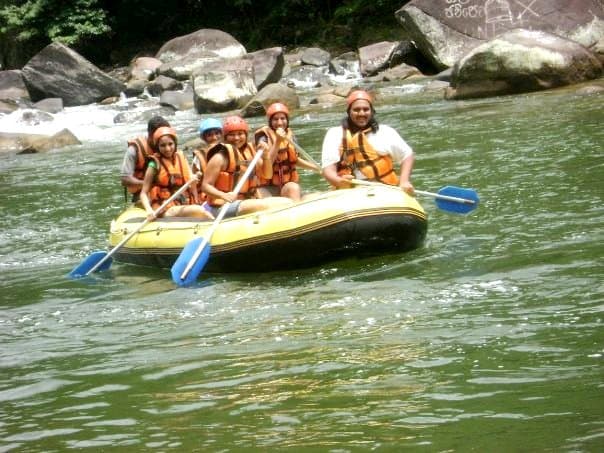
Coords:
360,182
221,214
446,197
142,225
304,154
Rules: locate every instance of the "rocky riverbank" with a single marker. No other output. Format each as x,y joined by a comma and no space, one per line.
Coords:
471,48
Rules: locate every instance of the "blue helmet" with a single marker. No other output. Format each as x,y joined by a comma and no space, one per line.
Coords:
209,124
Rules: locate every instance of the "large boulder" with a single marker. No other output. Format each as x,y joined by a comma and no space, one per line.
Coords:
202,41
268,65
520,61
223,85
446,32
59,72
12,86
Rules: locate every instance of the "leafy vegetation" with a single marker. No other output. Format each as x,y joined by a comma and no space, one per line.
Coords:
110,32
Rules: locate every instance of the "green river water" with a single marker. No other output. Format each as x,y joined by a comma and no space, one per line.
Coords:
488,338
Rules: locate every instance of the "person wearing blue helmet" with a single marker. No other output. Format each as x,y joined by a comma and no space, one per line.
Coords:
210,131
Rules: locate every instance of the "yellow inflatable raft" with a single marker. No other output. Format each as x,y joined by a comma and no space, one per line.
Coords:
341,223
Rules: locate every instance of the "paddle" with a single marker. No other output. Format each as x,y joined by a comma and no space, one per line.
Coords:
449,198
304,154
196,253
101,260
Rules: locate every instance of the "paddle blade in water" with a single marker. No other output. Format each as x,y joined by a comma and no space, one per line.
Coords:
91,260
188,253
462,207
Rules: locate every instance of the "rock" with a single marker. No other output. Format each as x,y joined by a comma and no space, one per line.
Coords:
8,106
223,85
135,87
33,117
12,86
142,117
58,71
202,41
598,49
315,57
178,100
376,57
294,57
327,99
444,75
400,72
163,83
436,85
345,64
273,92
122,73
50,105
110,100
144,68
444,33
268,65
36,143
521,61
183,68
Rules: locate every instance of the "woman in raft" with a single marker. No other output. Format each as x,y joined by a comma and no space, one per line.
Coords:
280,139
166,173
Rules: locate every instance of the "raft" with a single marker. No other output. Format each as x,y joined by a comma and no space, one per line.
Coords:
360,221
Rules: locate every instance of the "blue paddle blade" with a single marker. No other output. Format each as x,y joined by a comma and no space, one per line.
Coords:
187,255
91,260
462,207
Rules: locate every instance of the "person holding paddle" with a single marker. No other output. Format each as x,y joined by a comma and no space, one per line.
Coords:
227,162
362,149
282,153
165,174
137,157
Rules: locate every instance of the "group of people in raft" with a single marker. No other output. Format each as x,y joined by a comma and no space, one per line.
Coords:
153,168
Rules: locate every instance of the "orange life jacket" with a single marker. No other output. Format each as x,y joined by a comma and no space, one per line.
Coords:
171,175
284,166
356,153
200,154
237,162
143,153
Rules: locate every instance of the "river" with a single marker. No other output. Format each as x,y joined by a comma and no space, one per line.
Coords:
488,338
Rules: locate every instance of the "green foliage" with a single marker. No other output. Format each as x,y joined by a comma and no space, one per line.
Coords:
53,20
